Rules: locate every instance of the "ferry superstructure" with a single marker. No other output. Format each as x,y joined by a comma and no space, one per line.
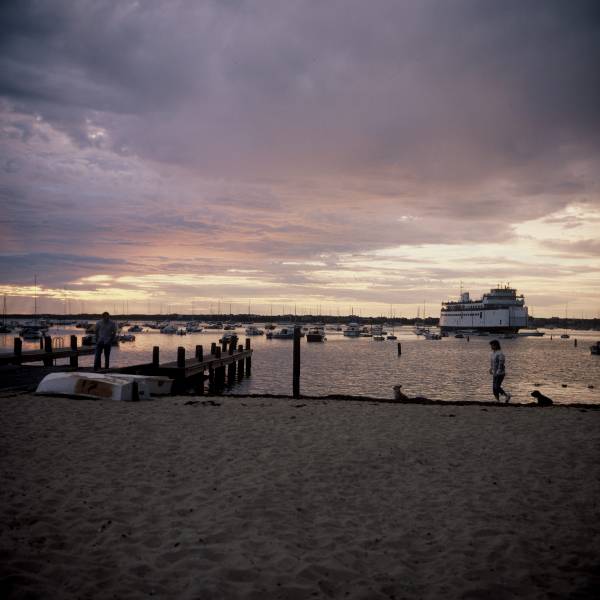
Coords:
499,311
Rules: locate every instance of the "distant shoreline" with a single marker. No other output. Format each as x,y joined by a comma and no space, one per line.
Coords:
537,322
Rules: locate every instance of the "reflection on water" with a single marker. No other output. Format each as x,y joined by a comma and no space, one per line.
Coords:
448,369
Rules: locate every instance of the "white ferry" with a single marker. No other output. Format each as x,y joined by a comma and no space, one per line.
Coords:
500,311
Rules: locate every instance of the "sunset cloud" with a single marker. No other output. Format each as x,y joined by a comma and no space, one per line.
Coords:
341,152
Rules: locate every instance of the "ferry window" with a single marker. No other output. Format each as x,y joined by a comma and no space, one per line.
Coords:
481,315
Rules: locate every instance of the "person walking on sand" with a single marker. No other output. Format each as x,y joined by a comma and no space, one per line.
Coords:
106,332
498,371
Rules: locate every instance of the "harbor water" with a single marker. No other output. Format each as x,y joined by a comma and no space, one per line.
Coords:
446,369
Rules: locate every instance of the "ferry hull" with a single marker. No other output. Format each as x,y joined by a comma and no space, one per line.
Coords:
475,330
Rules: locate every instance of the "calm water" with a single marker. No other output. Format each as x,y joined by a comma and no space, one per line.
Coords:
447,369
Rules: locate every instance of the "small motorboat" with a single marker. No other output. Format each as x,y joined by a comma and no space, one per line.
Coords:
168,329
352,330
430,335
181,331
315,334
28,333
227,337
126,337
135,329
253,330
595,348
284,333
531,333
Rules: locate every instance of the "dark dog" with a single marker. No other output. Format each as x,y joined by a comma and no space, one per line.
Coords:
541,399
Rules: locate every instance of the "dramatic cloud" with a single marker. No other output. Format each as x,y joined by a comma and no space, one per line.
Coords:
181,137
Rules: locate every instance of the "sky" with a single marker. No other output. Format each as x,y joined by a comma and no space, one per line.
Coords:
326,157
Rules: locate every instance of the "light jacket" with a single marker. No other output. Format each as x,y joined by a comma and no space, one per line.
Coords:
497,361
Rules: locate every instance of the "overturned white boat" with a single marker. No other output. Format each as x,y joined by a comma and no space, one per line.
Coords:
109,386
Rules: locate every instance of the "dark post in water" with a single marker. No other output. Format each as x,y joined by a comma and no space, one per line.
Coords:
48,351
18,350
74,359
296,373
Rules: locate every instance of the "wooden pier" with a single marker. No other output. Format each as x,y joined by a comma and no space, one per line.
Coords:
48,352
223,366
226,364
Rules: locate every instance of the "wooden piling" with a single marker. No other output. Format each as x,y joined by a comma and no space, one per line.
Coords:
74,360
575,342
240,365
180,357
48,351
199,385
199,353
399,349
231,373
218,352
296,363
248,359
18,349
220,377
155,356
211,380
213,348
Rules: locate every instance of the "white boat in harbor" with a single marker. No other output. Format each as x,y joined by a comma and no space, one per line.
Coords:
31,333
283,333
352,330
431,335
316,334
530,333
254,330
227,337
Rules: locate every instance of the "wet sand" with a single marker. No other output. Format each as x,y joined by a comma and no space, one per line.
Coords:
271,498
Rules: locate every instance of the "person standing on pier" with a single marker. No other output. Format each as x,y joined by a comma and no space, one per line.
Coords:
498,371
106,332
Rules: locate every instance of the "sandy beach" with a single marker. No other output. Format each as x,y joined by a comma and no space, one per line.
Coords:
269,498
